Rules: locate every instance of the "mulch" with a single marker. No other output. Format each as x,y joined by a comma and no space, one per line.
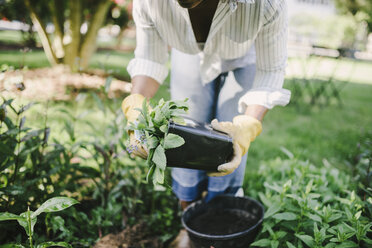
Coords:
56,83
137,236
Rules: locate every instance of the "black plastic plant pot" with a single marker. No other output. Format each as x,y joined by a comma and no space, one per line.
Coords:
204,148
202,227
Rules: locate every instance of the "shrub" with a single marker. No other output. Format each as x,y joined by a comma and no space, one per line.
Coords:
91,165
308,206
28,219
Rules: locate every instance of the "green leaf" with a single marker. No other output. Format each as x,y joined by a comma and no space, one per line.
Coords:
70,129
368,240
289,244
152,142
55,204
53,244
155,126
173,141
280,234
273,209
262,243
331,245
23,222
334,217
274,243
159,117
145,110
285,216
164,128
357,215
32,134
315,217
287,152
108,83
9,216
150,172
308,240
309,186
26,107
347,244
99,102
158,176
274,187
182,104
264,200
159,157
178,120
11,246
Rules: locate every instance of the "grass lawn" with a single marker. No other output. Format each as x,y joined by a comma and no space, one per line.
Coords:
11,37
321,67
315,133
111,61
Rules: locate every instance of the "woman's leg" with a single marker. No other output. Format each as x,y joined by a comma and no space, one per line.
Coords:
237,83
188,184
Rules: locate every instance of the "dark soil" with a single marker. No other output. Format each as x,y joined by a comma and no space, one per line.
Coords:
137,236
222,221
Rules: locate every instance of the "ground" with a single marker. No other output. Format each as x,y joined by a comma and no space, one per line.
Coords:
135,236
57,83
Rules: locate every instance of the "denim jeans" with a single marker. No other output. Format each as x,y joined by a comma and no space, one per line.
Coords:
217,99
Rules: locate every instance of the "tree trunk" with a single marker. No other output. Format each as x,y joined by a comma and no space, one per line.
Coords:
72,49
56,9
89,45
44,38
121,36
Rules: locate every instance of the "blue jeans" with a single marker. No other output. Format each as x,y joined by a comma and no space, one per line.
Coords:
217,99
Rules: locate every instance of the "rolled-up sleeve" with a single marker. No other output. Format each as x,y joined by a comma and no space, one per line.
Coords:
151,51
271,60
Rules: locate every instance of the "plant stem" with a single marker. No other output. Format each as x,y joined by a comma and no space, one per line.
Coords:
29,227
18,150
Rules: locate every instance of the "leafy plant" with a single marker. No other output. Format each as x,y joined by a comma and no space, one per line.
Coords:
28,219
360,163
152,130
308,206
87,161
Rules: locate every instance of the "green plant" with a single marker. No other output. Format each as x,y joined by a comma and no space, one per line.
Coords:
87,160
115,193
307,206
28,219
360,163
152,130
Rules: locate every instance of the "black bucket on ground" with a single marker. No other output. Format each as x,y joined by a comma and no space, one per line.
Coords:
247,221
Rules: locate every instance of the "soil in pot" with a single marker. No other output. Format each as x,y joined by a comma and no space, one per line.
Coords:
222,221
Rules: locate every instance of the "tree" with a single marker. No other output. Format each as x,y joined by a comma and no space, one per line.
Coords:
358,8
76,24
14,10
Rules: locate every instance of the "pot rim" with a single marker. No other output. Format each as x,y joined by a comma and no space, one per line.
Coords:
226,236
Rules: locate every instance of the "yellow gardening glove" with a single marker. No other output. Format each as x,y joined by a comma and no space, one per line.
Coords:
129,105
243,130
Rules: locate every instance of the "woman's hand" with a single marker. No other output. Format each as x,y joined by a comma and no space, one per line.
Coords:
129,105
243,130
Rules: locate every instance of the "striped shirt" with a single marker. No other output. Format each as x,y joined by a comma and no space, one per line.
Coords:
237,26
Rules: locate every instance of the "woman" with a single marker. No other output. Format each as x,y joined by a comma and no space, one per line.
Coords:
228,57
